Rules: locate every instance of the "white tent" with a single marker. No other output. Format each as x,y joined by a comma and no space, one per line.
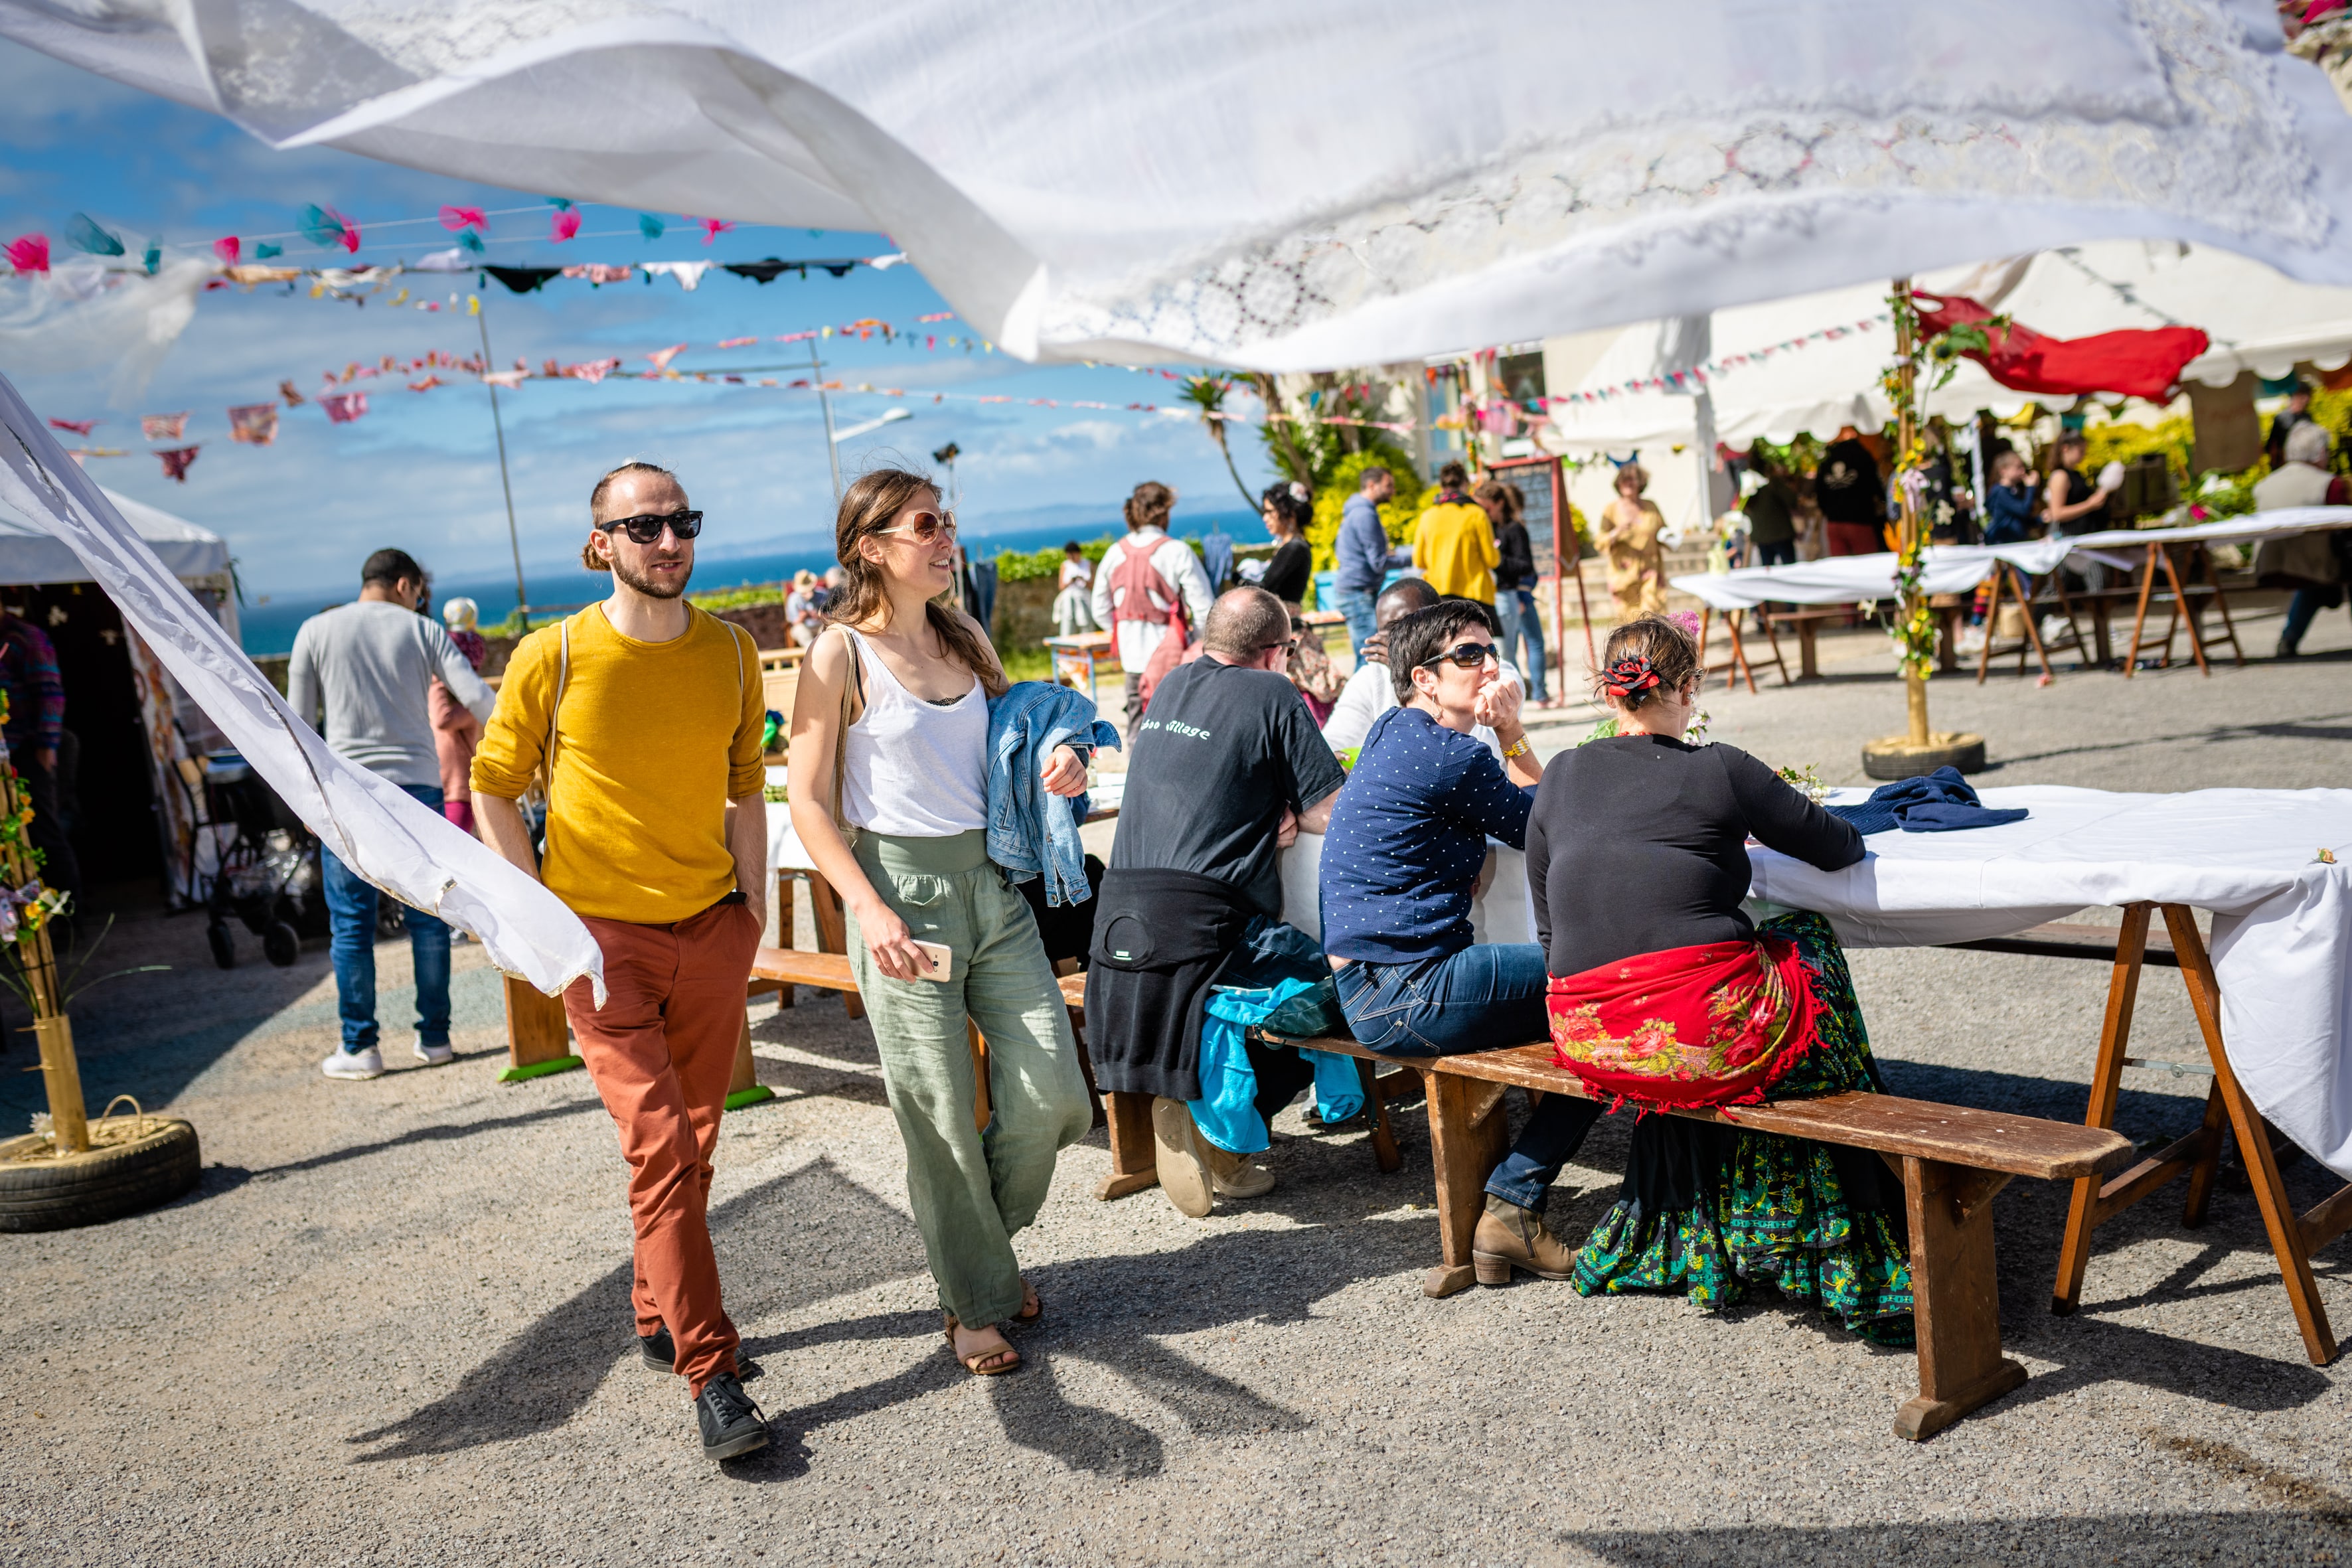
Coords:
1814,362
1322,182
32,553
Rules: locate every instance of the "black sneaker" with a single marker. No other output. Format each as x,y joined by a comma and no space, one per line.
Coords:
730,1422
657,1350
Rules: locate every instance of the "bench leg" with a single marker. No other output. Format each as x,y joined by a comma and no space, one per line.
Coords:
1385,1153
784,880
1955,1296
539,1038
1134,1161
744,1087
1467,1137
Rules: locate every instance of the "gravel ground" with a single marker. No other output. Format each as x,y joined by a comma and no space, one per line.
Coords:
393,1326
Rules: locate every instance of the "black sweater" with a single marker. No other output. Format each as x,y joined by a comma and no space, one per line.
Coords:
1638,844
1286,573
1516,569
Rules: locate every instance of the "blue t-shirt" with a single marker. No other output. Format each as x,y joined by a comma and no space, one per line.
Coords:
1407,838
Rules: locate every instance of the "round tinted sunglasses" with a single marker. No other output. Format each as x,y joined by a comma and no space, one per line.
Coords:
926,527
647,528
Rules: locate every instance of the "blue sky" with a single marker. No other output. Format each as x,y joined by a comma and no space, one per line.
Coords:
420,471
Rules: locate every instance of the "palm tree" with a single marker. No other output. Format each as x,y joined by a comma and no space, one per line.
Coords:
1207,392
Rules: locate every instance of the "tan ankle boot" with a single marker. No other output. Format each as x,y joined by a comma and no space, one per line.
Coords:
1237,1175
1508,1238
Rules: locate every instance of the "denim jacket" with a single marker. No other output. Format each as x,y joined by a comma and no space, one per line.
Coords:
1031,833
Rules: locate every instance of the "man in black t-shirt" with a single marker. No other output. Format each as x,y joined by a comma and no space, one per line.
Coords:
1227,767
1852,495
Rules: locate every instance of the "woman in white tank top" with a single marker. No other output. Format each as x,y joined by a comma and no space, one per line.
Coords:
908,851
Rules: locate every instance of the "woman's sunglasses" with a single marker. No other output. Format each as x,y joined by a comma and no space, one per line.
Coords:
927,528
1465,655
647,528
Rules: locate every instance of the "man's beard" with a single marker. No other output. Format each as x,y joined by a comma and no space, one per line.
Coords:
650,589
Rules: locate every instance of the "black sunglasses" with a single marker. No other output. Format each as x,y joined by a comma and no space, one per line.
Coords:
1465,655
647,528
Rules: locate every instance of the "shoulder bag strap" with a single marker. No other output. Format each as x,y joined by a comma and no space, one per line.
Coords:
853,705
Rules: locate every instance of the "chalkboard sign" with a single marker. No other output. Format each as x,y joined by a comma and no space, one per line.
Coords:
1537,480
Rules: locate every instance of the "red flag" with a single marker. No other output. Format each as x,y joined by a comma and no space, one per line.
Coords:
228,249
176,460
29,253
78,426
2139,363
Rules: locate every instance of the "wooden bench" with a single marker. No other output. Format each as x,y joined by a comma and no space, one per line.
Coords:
1952,1160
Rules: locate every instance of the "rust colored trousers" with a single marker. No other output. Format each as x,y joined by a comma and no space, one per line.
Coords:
661,1051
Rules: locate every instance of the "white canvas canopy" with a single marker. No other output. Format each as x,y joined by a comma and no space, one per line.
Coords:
1323,183
2258,321
32,553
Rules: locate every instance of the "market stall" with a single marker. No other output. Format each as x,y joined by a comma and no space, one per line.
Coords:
129,721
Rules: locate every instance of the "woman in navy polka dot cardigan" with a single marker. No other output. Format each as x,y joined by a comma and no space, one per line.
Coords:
1400,860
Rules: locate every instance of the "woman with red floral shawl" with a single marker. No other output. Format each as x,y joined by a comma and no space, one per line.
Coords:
1666,993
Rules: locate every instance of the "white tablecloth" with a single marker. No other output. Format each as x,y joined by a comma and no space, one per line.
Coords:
2282,938
1957,568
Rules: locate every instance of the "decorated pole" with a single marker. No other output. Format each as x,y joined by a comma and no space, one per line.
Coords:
1919,749
25,910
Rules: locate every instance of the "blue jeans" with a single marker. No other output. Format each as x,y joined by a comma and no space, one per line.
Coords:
1355,605
1522,632
2301,611
1482,998
350,923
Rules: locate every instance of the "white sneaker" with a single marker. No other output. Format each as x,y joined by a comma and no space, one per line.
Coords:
433,1055
365,1064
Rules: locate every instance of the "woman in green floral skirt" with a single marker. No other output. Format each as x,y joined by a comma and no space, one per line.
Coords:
1664,993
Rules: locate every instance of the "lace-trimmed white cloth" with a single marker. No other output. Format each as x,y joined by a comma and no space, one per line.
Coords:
1327,182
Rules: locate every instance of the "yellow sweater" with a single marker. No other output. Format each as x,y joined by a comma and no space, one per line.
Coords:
655,739
1454,544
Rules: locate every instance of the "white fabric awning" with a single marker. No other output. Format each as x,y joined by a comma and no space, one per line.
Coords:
1812,363
1325,182
2282,938
31,554
372,825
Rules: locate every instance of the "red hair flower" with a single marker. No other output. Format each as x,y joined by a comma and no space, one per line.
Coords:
1629,675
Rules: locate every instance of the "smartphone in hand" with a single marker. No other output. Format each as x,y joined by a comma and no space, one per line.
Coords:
943,958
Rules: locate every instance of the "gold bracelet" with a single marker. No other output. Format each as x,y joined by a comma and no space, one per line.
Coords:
1518,748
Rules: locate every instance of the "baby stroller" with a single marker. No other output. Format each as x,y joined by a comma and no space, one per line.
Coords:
265,868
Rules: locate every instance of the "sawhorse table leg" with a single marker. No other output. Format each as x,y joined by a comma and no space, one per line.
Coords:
2292,1237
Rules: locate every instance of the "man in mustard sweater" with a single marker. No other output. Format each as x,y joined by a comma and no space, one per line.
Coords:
646,714
1453,542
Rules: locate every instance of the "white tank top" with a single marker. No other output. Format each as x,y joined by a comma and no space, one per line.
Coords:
911,768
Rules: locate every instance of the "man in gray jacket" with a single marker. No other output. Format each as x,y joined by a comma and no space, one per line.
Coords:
371,665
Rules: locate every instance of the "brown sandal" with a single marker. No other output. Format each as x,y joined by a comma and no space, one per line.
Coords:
1033,1306
972,1363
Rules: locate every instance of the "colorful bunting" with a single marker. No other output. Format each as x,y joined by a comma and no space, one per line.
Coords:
293,398
661,357
343,407
163,427
455,218
326,226
152,257
29,253
78,426
84,234
227,248
178,461
649,226
254,424
563,224
712,227
265,250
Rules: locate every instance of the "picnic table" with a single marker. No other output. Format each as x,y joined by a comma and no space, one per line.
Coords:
2268,987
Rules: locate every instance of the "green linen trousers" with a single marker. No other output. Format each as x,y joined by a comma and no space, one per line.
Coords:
971,1190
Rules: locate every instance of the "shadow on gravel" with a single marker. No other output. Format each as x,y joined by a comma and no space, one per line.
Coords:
540,1378
2138,1540
438,1132
2319,729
